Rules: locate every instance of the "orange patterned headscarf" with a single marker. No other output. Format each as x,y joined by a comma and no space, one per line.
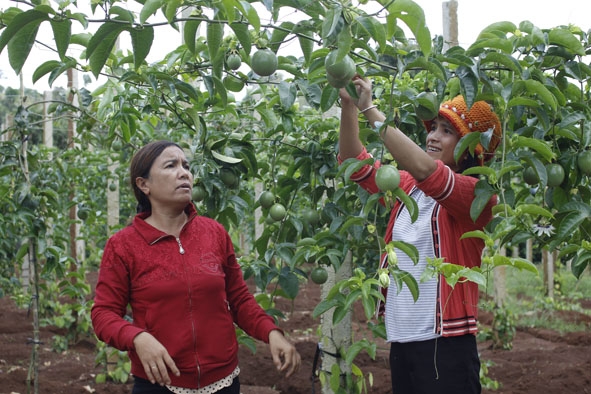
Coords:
480,117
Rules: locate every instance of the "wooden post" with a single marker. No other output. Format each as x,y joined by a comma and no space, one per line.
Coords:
548,265
47,120
336,339
500,279
112,198
450,24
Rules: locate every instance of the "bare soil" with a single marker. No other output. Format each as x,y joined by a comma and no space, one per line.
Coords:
541,361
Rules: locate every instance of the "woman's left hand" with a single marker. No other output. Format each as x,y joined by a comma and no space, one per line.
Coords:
285,355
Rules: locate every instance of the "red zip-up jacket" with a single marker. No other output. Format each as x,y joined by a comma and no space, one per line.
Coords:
457,308
187,292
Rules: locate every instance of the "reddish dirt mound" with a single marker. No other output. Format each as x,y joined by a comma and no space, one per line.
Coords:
542,361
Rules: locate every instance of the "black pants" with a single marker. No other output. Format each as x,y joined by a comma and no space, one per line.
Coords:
143,386
447,365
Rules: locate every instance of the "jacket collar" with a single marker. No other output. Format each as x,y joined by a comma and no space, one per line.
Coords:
151,234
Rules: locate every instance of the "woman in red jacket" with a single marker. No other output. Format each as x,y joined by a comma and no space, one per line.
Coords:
178,273
433,346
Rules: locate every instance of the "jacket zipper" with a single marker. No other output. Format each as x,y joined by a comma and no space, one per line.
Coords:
178,241
181,249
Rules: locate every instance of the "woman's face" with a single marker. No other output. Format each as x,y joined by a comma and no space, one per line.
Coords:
441,142
170,182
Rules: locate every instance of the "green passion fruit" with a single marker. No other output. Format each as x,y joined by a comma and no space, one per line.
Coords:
233,61
335,82
339,70
530,176
387,178
584,162
319,275
264,62
277,212
267,199
555,174
199,193
228,177
232,83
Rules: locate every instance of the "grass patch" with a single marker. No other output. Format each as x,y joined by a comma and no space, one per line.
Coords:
531,307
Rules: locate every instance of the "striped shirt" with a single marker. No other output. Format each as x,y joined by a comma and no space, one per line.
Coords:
407,320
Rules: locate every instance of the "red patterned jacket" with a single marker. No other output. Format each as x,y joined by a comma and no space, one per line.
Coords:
457,308
188,293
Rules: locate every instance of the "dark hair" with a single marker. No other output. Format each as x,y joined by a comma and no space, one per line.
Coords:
140,166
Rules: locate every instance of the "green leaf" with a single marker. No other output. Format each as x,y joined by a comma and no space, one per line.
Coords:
410,203
339,314
580,262
289,282
502,44
150,7
503,59
45,68
101,44
467,142
409,281
536,89
523,265
329,96
123,14
357,346
21,44
413,16
541,147
243,35
279,35
324,306
482,170
20,21
570,223
190,33
483,193
332,23
22,251
351,166
224,158
187,88
475,234
62,32
431,65
473,275
503,26
565,38
141,42
251,14
469,83
287,94
54,68
409,249
307,47
170,9
375,29
220,89
533,209
214,36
